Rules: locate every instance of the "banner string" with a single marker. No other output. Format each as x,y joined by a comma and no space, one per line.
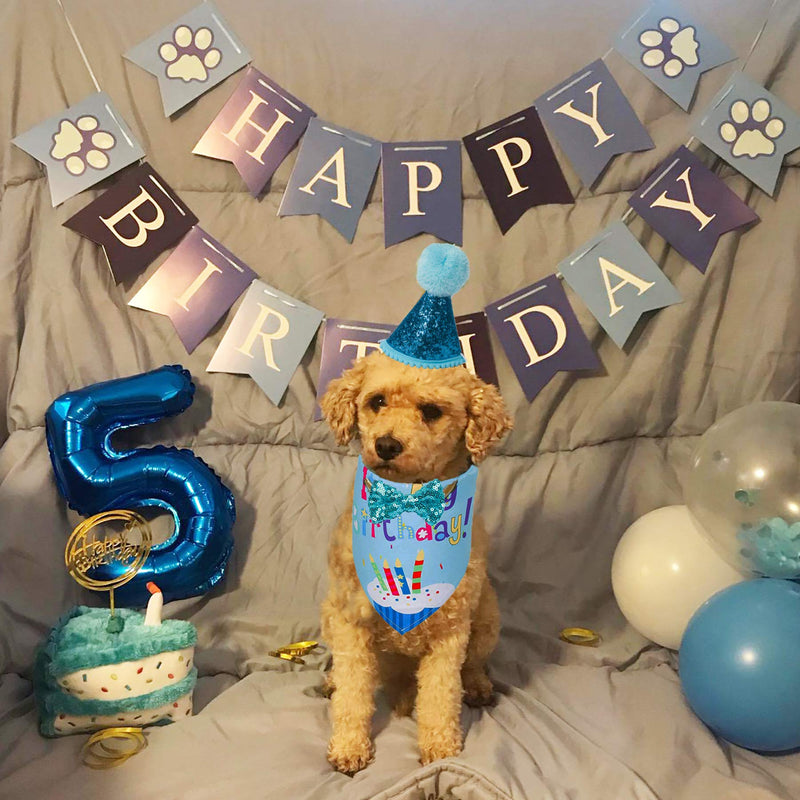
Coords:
79,46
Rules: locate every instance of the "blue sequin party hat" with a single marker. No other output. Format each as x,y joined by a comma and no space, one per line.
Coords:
427,337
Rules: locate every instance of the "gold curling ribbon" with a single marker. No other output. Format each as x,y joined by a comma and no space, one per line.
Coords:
112,747
585,637
292,652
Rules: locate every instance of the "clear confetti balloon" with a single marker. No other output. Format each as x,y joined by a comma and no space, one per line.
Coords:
744,488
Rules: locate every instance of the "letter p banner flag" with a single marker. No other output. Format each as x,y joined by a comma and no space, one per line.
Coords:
139,217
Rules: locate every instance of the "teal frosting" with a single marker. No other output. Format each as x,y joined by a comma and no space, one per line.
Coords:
80,639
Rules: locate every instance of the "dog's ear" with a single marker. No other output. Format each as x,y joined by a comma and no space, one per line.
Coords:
487,420
338,404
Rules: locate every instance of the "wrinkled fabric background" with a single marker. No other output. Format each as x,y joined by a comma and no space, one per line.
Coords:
587,457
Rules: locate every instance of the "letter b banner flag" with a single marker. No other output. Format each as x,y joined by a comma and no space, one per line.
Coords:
541,334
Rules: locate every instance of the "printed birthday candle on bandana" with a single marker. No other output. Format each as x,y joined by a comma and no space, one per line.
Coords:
139,217
671,49
422,191
516,166
689,206
190,55
195,286
256,129
411,542
541,334
618,281
267,339
332,176
751,128
81,145
592,120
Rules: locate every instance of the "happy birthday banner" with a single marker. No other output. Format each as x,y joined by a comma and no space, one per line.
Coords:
140,215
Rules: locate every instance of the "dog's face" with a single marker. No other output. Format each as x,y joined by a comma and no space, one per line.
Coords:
415,424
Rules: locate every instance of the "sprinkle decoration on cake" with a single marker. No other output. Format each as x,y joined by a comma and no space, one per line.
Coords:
87,678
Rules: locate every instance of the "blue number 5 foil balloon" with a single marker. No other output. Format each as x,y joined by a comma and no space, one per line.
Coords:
95,477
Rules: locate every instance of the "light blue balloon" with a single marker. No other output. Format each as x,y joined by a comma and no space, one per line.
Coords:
740,664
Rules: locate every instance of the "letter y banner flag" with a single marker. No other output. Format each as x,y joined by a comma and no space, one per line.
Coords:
267,339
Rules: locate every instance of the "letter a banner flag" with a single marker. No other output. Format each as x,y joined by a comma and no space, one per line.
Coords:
684,201
592,120
266,339
516,166
618,281
671,49
541,334
190,55
332,176
422,191
256,129
195,286
139,217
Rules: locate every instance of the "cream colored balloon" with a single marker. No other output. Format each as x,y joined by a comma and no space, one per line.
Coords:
663,571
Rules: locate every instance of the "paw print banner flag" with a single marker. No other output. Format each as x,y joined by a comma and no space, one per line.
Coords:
751,128
411,542
618,281
139,217
256,129
684,201
195,286
516,166
190,55
541,334
671,50
422,191
267,338
592,120
332,176
81,146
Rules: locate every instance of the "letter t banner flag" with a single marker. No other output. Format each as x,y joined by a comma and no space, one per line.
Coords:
592,120
267,339
256,129
684,201
516,166
139,217
541,334
618,281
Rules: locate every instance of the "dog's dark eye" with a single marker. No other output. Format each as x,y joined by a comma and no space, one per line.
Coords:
430,412
376,402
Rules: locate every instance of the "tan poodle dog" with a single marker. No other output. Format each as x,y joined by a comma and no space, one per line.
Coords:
415,424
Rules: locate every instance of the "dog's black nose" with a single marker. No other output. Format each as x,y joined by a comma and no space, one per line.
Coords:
387,447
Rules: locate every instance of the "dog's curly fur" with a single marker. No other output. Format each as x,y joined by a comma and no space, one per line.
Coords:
443,658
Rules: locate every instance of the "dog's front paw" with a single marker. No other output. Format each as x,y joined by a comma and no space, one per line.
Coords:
435,745
478,689
349,754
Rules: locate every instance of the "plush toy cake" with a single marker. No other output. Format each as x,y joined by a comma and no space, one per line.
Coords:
87,679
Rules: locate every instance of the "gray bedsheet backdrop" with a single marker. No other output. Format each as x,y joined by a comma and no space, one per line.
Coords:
587,457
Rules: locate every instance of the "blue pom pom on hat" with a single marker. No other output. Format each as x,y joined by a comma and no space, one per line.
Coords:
427,337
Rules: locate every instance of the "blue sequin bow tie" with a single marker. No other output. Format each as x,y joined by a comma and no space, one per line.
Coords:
386,502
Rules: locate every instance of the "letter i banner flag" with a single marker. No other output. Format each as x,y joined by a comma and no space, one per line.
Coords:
267,339
81,146
592,120
139,217
618,281
190,55
256,129
541,334
516,166
332,176
422,191
751,128
411,542
195,286
671,50
684,201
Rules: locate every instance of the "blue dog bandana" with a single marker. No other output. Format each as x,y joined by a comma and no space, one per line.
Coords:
411,542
